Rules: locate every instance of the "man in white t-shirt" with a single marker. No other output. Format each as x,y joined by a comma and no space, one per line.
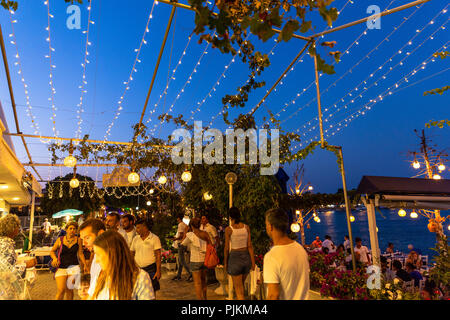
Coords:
210,229
89,231
127,222
327,243
146,249
112,222
47,226
286,266
346,243
362,252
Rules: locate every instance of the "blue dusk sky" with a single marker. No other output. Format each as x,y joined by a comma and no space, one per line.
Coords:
371,105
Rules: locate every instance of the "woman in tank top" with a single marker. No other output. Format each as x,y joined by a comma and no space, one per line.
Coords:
71,254
239,257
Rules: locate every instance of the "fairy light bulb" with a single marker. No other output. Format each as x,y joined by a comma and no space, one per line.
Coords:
416,164
414,215
133,178
149,203
436,177
401,213
352,218
295,227
162,179
74,183
310,188
441,167
186,176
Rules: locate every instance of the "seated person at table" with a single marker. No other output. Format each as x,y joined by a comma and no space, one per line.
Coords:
316,243
399,272
388,274
415,259
411,269
390,248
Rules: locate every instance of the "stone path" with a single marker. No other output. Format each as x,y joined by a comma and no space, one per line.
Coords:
44,288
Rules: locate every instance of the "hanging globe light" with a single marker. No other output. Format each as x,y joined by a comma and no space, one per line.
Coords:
295,227
401,213
74,183
352,218
297,212
414,215
416,164
152,191
162,179
437,177
186,176
70,161
149,203
297,191
133,178
310,188
441,167
316,219
448,227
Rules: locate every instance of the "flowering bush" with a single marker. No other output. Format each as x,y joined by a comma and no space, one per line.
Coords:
259,260
168,257
345,285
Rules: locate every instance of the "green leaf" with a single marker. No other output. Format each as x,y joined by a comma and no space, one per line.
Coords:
288,30
306,25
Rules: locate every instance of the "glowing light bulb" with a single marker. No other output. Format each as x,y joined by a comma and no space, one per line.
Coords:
70,161
207,196
416,164
149,203
186,176
352,218
74,183
297,191
441,167
414,215
133,178
152,191
295,227
162,179
436,177
401,213
310,188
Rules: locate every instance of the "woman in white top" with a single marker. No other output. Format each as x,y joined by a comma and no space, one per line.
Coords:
239,257
197,240
120,277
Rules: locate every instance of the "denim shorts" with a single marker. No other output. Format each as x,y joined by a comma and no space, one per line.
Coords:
239,262
197,266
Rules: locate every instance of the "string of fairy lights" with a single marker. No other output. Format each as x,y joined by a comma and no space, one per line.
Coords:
49,56
172,77
375,83
388,92
345,52
84,64
130,77
33,119
181,91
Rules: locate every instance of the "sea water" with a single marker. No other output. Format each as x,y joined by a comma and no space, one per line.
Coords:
401,231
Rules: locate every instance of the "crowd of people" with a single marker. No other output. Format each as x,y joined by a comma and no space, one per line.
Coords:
407,271
118,258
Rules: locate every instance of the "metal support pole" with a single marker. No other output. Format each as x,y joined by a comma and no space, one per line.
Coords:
30,236
374,245
347,208
230,280
172,13
319,105
13,101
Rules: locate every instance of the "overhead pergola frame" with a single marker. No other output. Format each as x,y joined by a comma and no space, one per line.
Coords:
310,40
406,193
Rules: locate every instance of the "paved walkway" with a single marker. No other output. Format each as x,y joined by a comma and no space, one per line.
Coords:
44,288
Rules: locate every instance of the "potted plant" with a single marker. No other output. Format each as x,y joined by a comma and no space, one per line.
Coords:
169,260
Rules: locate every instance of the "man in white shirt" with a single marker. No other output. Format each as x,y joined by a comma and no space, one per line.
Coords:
179,237
327,243
346,243
146,249
47,226
89,231
362,252
210,229
127,222
112,222
286,266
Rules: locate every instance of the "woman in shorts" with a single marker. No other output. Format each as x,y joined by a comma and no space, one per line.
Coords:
69,260
239,257
197,240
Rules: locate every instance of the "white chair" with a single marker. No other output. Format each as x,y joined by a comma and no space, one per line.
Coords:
408,286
